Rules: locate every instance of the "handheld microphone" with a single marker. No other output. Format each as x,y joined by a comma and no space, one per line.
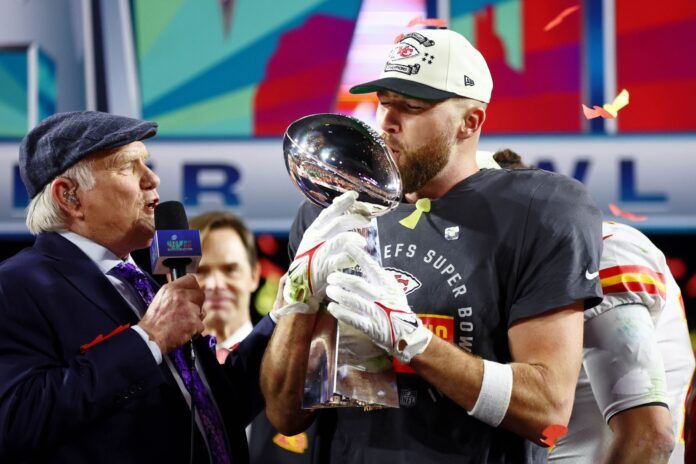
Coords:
175,248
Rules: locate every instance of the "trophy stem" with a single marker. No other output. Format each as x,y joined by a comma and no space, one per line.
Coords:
345,369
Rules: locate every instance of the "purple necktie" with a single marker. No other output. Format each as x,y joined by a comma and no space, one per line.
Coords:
208,413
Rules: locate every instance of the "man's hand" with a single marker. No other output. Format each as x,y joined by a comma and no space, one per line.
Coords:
175,314
322,249
377,306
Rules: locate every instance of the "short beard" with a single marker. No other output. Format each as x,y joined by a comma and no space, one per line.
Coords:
419,166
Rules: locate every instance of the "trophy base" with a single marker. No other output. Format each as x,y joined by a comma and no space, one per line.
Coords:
345,369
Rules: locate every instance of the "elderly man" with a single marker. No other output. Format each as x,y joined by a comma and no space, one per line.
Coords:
91,364
500,265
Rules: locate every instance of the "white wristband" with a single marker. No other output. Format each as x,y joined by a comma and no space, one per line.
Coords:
496,390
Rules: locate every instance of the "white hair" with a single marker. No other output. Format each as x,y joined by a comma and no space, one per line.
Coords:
43,213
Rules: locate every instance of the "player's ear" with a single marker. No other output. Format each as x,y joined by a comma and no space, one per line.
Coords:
472,116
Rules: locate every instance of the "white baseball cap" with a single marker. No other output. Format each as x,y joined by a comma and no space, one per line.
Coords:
434,64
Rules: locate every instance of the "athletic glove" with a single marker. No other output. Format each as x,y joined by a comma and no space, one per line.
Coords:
376,305
322,250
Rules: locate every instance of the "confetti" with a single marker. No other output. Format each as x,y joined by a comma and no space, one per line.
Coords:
619,102
422,206
618,212
430,22
609,110
559,19
595,112
553,433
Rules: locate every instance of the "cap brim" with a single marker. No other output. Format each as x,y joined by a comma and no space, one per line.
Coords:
403,87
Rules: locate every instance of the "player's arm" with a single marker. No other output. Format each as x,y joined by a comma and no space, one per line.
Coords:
527,396
625,368
546,353
641,436
320,251
283,373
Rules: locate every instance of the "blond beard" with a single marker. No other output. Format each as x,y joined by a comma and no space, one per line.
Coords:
418,166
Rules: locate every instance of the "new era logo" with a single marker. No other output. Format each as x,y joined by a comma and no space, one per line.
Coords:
468,81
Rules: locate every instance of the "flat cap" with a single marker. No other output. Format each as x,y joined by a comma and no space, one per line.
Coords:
61,140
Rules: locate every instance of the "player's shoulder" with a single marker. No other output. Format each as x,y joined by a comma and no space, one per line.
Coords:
532,182
632,271
627,246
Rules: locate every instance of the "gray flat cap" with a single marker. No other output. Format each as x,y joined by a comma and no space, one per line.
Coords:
60,141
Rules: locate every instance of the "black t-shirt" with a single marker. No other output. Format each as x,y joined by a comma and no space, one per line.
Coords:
498,247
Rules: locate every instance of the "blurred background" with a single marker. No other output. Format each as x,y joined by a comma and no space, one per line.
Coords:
224,78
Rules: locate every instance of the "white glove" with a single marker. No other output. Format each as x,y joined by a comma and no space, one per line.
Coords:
377,306
291,308
322,249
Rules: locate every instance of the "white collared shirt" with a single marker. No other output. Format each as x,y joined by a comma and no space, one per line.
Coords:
239,335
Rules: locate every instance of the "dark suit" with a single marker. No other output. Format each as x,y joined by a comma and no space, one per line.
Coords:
113,403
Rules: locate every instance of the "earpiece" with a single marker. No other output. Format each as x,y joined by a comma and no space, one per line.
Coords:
70,197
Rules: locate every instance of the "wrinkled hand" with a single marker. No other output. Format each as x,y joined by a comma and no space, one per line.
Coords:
377,306
322,249
175,314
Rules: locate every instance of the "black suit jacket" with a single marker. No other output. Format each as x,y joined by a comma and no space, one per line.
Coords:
113,403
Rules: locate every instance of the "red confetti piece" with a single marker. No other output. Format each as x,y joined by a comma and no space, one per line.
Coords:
398,38
607,236
430,22
595,112
559,19
100,338
553,433
618,212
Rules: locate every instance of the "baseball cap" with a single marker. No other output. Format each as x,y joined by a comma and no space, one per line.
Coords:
433,64
60,141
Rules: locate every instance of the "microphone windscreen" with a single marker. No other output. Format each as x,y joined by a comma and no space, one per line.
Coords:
170,215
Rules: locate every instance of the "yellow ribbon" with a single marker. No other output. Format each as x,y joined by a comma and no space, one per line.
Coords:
411,221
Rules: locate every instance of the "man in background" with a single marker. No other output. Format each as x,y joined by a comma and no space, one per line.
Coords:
637,357
229,273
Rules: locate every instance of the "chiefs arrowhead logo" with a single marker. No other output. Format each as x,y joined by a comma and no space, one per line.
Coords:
409,281
402,51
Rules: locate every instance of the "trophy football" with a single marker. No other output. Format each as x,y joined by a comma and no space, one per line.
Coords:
327,155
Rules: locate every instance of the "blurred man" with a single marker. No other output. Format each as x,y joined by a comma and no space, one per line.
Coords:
637,357
92,368
229,273
504,283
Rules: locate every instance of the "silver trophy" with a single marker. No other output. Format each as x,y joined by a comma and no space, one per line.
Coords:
326,155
